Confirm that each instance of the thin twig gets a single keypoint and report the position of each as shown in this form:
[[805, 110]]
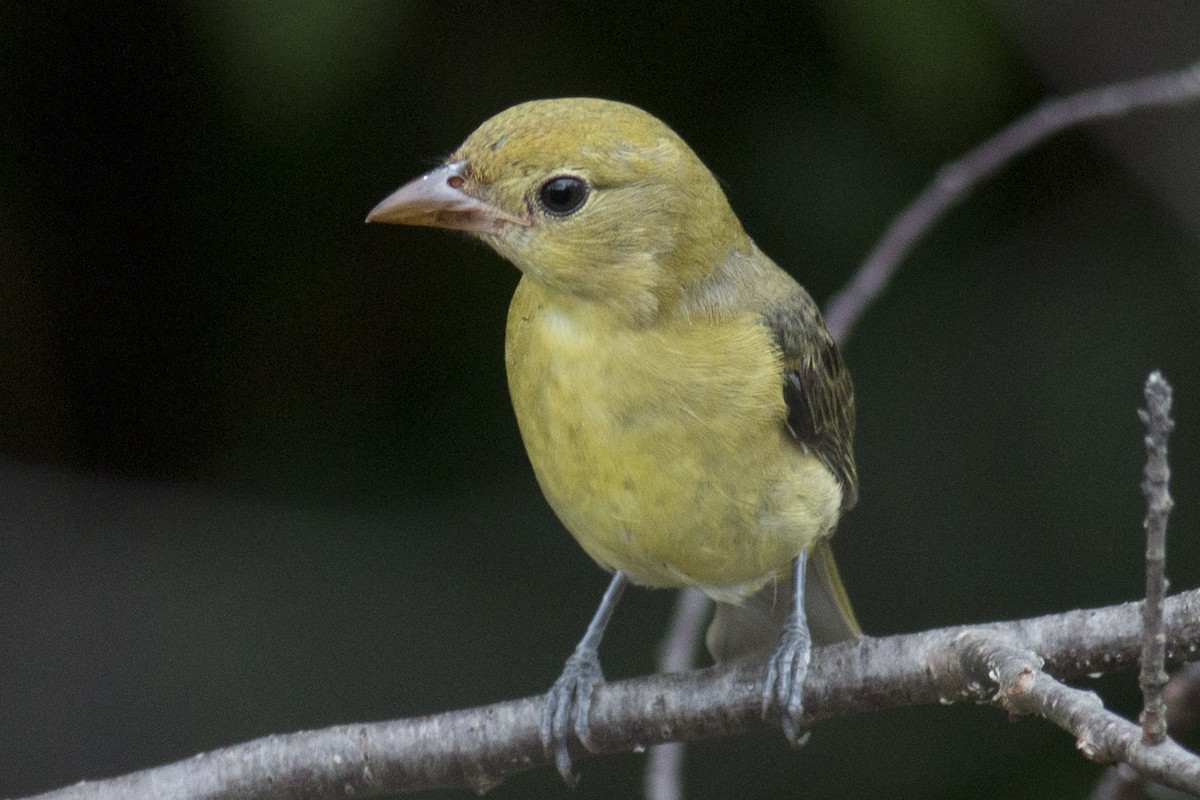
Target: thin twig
[[478, 748], [677, 652], [1156, 488], [1182, 696], [955, 180], [1099, 734], [664, 765]]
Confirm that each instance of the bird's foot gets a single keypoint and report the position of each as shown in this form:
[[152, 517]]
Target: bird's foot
[[785, 679], [568, 704]]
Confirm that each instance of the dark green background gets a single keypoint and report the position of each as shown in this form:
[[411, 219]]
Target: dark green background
[[258, 471]]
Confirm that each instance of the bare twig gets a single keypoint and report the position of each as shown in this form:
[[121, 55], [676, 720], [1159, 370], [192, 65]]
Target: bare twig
[[1182, 696], [1100, 735], [1166, 704], [664, 766], [1157, 419], [955, 181], [478, 748], [677, 652]]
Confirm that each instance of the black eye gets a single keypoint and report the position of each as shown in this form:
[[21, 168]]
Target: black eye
[[563, 195]]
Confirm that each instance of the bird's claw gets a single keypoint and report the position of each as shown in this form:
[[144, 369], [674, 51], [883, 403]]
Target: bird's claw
[[568, 704], [786, 672]]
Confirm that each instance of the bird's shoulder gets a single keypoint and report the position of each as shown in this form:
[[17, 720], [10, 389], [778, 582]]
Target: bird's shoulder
[[816, 384]]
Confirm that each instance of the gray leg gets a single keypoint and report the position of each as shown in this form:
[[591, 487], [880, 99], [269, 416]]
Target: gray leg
[[570, 698], [789, 665]]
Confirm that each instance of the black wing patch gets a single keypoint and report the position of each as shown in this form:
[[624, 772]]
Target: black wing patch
[[817, 389]]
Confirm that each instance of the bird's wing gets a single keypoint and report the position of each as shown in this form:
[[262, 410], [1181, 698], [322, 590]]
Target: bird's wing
[[816, 388]]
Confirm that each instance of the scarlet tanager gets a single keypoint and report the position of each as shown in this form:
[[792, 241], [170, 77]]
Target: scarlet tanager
[[687, 414]]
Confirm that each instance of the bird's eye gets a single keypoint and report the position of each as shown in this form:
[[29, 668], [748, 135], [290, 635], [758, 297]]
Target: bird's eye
[[563, 195]]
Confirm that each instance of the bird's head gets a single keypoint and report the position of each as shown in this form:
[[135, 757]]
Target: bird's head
[[589, 198]]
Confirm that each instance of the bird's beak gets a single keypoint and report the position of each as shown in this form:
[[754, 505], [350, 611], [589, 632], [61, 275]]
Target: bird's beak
[[438, 199]]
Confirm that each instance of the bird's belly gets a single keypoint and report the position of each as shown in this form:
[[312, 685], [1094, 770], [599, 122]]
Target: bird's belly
[[669, 480]]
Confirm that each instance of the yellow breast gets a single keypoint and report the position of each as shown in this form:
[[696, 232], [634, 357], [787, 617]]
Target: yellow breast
[[663, 449]]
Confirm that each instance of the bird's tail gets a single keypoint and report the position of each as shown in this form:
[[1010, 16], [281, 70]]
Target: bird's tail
[[754, 626]]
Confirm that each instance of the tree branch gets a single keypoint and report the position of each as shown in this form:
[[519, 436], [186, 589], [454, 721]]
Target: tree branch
[[664, 764], [1182, 695], [1157, 418], [478, 748], [956, 180], [1166, 705], [1100, 735]]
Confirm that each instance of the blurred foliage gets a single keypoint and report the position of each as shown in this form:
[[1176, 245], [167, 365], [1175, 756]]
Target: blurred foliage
[[259, 468]]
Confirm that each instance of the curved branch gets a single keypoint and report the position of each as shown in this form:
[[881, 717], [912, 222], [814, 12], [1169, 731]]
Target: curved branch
[[1182, 695], [956, 180], [1099, 734], [478, 748]]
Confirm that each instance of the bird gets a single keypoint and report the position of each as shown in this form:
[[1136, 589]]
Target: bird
[[687, 414]]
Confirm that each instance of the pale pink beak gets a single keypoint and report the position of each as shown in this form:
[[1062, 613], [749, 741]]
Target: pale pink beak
[[437, 199]]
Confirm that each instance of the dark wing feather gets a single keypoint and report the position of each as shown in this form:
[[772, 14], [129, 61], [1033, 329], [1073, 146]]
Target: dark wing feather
[[816, 388]]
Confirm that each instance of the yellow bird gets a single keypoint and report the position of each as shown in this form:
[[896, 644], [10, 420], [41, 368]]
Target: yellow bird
[[687, 414]]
